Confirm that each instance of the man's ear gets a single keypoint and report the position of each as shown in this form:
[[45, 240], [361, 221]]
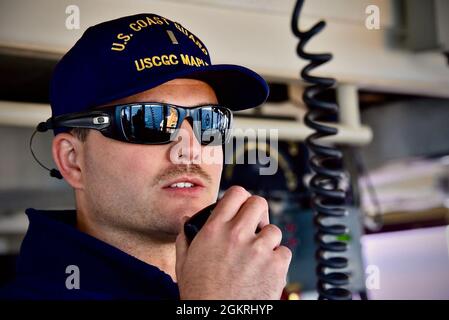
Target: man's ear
[[67, 154]]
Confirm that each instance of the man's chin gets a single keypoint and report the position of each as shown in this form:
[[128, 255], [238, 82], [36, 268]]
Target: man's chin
[[171, 232]]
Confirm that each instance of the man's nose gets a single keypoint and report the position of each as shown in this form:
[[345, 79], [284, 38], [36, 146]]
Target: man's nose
[[186, 147]]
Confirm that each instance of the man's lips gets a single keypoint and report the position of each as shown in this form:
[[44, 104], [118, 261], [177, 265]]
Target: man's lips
[[194, 191], [197, 182]]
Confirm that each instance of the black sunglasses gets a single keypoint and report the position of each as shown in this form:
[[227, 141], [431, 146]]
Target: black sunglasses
[[151, 122]]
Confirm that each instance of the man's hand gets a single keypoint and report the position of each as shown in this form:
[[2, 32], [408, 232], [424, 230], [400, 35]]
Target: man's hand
[[227, 259]]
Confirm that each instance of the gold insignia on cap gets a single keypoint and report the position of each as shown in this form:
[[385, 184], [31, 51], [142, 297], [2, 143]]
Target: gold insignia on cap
[[172, 37]]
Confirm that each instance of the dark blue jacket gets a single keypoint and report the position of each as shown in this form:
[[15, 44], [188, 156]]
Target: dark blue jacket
[[52, 243]]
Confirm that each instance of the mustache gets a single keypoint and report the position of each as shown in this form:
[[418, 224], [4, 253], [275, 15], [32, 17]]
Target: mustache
[[179, 170]]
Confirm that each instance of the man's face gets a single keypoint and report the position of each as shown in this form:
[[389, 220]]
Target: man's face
[[125, 185]]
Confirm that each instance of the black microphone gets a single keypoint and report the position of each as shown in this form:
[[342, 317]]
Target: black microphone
[[194, 224], [43, 127], [197, 221]]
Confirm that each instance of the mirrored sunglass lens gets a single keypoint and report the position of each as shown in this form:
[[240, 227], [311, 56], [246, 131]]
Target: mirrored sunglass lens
[[149, 123], [215, 123]]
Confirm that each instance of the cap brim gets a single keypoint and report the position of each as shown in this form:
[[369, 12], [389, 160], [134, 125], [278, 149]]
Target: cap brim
[[236, 87]]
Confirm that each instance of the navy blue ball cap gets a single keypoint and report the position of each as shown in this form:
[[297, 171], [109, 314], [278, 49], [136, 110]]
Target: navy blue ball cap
[[125, 56]]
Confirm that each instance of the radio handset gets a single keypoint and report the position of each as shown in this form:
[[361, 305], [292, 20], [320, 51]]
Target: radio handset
[[197, 221]]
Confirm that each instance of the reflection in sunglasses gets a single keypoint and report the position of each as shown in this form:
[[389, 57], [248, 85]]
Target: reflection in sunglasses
[[172, 120]]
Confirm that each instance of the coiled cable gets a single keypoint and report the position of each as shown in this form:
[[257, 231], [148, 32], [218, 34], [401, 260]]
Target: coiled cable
[[328, 198]]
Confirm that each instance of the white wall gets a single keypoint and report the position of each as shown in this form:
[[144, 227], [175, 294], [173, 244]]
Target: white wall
[[252, 33]]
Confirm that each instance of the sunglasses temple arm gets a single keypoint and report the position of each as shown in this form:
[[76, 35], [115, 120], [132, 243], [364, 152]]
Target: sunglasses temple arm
[[90, 122]]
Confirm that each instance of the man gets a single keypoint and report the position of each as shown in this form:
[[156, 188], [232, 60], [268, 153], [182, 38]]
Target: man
[[136, 108]]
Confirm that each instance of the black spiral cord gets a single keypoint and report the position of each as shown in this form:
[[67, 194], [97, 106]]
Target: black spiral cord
[[328, 199]]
